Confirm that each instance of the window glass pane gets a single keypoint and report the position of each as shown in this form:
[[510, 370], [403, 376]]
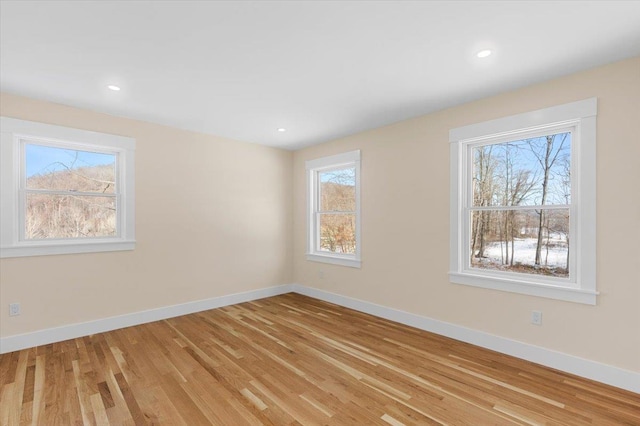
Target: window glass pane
[[527, 172], [337, 232], [69, 170], [524, 241], [338, 190], [69, 216]]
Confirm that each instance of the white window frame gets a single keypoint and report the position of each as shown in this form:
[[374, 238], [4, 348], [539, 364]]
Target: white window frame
[[580, 118], [14, 135], [347, 159]]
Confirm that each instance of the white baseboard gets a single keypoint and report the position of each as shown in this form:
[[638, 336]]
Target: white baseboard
[[72, 331], [593, 370], [604, 373]]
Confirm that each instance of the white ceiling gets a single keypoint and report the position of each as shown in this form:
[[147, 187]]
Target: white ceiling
[[320, 69]]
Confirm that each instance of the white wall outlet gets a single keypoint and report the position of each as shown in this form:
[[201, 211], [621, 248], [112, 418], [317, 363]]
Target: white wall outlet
[[321, 274], [14, 309], [536, 317]]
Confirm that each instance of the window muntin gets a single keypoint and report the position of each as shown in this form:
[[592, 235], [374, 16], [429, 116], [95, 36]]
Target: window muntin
[[519, 208], [68, 193], [568, 211], [64, 190], [333, 209]]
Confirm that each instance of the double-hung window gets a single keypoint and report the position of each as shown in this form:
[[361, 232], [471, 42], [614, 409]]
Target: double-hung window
[[523, 203], [333, 221], [64, 190]]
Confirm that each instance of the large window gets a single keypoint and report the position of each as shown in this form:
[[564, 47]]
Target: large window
[[65, 190], [334, 209], [523, 203]]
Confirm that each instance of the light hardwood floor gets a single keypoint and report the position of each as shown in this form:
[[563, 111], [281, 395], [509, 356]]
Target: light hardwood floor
[[291, 360]]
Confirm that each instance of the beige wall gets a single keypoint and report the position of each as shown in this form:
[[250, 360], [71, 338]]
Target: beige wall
[[213, 218], [405, 223]]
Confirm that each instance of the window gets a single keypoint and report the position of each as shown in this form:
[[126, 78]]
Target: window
[[333, 222], [64, 190], [523, 203]]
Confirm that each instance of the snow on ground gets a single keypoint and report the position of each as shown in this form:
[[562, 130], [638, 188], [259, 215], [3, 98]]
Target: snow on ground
[[525, 252]]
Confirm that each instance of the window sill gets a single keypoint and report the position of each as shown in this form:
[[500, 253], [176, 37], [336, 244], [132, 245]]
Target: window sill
[[587, 297], [44, 249], [336, 260]]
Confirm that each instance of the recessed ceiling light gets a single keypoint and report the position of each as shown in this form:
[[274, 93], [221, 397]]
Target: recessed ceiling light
[[483, 53], [282, 129], [113, 87]]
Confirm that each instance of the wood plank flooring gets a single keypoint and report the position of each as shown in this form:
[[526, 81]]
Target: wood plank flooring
[[292, 360]]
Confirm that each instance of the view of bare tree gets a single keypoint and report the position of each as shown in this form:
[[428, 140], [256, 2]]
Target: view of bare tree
[[509, 181], [338, 206], [547, 160]]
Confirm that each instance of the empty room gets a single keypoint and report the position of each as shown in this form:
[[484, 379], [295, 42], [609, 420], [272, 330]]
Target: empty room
[[319, 213]]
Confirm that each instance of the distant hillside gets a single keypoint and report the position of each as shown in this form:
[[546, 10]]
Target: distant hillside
[[84, 179], [336, 196], [72, 216]]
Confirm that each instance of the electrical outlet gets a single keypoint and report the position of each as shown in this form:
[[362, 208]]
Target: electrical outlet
[[14, 309], [536, 317], [321, 274]]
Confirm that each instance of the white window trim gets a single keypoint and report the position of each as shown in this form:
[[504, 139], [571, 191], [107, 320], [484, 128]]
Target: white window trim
[[582, 115], [14, 133], [347, 159]]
